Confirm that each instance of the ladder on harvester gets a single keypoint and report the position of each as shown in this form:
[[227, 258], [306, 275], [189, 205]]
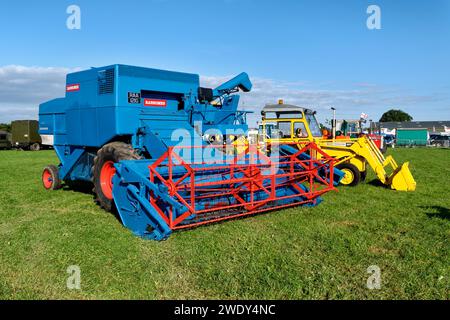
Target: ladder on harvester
[[399, 179]]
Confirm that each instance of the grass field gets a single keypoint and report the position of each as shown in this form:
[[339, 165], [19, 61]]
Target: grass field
[[300, 253]]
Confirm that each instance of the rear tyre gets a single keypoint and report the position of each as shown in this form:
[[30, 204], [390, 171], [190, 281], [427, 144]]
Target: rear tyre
[[363, 175], [35, 147], [103, 170], [352, 174], [50, 178]]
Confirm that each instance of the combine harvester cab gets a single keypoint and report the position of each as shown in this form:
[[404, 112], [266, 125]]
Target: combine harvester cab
[[283, 123], [160, 150]]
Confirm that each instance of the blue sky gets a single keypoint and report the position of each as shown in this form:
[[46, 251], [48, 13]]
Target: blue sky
[[317, 53]]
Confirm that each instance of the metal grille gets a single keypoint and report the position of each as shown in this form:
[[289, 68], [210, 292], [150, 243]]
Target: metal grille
[[106, 81]]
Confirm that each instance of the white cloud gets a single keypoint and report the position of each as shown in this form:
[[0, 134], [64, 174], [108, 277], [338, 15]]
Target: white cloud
[[350, 102], [23, 88]]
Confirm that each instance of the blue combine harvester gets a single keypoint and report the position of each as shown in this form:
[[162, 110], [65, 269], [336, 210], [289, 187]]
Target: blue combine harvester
[[163, 152]]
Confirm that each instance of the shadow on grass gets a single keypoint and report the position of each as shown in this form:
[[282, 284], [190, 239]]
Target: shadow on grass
[[439, 212], [376, 183], [87, 188], [78, 186]]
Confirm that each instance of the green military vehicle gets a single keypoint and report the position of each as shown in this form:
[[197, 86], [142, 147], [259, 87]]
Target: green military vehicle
[[5, 140], [25, 135]]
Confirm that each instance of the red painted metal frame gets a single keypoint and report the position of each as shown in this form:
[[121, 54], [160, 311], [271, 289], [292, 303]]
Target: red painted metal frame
[[244, 172]]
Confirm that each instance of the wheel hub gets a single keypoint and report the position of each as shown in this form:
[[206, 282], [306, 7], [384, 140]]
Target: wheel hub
[[348, 177], [107, 173], [47, 179]]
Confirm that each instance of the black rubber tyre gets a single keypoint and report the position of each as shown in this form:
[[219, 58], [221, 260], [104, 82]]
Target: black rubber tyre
[[110, 153], [363, 175], [353, 176], [50, 178], [35, 147]]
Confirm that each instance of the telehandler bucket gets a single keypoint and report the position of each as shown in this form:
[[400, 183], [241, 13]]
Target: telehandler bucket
[[402, 179]]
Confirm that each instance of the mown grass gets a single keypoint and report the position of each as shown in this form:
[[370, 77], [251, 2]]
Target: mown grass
[[300, 253]]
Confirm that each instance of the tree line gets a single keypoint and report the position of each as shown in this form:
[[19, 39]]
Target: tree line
[[5, 127]]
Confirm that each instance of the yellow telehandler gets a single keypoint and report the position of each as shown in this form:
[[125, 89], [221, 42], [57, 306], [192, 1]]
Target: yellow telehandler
[[284, 123]]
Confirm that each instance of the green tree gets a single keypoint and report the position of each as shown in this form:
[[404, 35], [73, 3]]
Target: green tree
[[5, 127], [395, 115]]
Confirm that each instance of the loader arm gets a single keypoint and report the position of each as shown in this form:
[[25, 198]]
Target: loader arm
[[364, 149]]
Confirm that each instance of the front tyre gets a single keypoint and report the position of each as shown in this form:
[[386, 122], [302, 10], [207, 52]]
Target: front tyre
[[50, 178], [103, 170], [35, 147]]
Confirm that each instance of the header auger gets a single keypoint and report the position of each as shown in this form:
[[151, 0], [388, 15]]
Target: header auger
[[156, 147]]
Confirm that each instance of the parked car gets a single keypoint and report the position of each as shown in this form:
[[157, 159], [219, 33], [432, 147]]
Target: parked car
[[439, 140], [389, 139]]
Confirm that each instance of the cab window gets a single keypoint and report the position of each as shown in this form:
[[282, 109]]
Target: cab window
[[313, 125], [283, 130], [300, 130], [297, 115]]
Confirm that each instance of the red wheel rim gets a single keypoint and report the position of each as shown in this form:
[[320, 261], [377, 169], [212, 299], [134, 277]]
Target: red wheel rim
[[106, 174], [47, 179]]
